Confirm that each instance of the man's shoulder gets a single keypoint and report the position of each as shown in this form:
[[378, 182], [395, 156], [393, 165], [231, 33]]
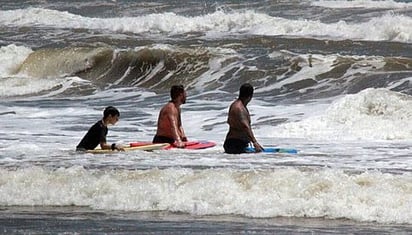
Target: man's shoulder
[[237, 104], [169, 107]]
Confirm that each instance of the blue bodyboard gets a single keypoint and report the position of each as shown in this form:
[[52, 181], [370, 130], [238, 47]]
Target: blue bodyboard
[[272, 150]]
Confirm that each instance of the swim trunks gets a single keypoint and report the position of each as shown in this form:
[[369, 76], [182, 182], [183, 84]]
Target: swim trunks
[[235, 146], [163, 139]]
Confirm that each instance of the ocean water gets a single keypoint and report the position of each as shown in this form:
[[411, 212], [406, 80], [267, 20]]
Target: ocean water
[[332, 79]]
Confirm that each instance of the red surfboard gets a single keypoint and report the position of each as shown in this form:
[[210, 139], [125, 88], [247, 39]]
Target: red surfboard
[[201, 144]]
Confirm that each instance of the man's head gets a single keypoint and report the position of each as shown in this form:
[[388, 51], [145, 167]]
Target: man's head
[[112, 114], [178, 91], [246, 91]]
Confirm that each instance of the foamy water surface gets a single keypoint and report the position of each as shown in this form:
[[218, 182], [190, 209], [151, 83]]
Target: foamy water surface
[[335, 85]]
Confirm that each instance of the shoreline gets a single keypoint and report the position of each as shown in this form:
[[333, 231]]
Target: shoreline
[[40, 220]]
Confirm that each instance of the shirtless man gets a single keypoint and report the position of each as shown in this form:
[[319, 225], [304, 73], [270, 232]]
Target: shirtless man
[[98, 132], [169, 123], [240, 130]]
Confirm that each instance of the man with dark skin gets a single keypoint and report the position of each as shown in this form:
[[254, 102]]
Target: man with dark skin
[[169, 123], [240, 130]]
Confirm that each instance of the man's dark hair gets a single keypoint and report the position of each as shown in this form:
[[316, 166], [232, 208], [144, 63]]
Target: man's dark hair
[[110, 110], [246, 91], [176, 90]]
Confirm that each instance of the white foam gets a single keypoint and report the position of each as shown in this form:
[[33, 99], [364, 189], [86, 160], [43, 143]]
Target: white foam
[[14, 84], [218, 23], [321, 64], [11, 58], [391, 4], [216, 68], [370, 196], [372, 114], [18, 86], [376, 29]]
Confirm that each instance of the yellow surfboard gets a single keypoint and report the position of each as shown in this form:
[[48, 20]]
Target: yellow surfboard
[[148, 147]]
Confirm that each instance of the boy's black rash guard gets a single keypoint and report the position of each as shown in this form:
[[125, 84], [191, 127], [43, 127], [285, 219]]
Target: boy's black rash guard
[[96, 134]]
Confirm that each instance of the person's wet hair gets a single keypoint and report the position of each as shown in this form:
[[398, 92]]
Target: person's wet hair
[[110, 110], [245, 91], [176, 90]]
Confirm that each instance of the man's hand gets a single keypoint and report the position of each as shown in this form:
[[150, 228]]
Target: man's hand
[[258, 147], [179, 144], [119, 147]]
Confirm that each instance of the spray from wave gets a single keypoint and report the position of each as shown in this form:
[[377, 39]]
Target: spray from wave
[[219, 24]]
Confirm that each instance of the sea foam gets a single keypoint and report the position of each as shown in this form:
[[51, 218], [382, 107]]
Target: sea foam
[[220, 23], [372, 114], [369, 196]]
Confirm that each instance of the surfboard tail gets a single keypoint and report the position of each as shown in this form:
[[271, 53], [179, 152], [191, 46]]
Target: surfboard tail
[[273, 150]]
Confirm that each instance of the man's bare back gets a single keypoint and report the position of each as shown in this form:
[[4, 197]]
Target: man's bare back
[[240, 131], [239, 121]]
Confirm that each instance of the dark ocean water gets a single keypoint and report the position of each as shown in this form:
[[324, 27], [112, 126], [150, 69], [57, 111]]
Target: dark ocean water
[[332, 79]]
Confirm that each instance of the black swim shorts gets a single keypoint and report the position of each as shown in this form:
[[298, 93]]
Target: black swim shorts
[[235, 146], [163, 139]]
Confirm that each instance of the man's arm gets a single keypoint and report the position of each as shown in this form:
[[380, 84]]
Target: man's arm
[[244, 118], [173, 119], [182, 134], [104, 145], [181, 130]]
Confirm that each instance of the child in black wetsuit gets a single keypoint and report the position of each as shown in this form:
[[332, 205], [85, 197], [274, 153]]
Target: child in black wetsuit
[[98, 132]]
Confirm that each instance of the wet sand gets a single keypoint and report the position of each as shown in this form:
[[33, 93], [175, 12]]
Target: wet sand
[[83, 220]]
